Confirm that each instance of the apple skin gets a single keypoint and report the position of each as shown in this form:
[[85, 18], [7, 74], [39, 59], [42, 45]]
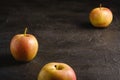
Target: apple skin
[[24, 47], [101, 17], [56, 71]]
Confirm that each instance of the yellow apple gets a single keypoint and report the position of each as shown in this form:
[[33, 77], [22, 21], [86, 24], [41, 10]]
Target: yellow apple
[[101, 17], [56, 71]]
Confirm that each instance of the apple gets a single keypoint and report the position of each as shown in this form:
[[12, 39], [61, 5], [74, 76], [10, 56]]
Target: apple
[[101, 17], [56, 71], [24, 47]]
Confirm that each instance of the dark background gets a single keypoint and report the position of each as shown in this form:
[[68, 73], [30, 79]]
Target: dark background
[[64, 34]]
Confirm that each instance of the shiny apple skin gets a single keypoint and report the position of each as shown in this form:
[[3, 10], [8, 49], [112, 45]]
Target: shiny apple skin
[[101, 17], [64, 72], [24, 47]]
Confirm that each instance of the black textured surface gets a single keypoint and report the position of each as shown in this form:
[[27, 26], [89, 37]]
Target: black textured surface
[[64, 34]]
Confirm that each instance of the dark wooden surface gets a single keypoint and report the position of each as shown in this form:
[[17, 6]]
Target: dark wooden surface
[[64, 34]]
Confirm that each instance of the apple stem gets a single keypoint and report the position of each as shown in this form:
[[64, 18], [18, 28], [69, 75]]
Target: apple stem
[[25, 31], [56, 66], [100, 5]]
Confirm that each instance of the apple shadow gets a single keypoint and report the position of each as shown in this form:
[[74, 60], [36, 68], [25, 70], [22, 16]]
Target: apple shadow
[[6, 60], [83, 25], [88, 25]]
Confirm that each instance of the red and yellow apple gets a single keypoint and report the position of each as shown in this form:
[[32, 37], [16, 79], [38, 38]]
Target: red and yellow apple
[[56, 71], [24, 47], [101, 17]]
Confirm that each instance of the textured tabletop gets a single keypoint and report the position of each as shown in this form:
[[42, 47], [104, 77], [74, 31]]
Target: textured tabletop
[[64, 34]]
